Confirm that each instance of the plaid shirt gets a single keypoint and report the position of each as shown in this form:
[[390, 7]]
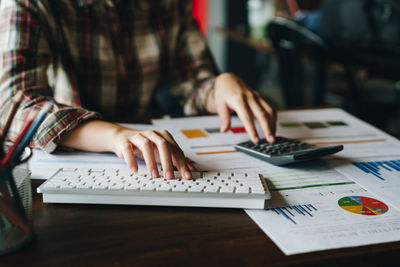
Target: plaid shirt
[[99, 57]]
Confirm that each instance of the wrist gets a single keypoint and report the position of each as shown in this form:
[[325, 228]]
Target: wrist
[[113, 133], [94, 136], [210, 100], [221, 81]]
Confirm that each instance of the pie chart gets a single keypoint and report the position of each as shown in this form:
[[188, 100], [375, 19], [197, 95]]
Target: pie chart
[[363, 205]]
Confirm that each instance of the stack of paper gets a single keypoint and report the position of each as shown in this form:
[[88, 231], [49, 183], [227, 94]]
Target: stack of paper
[[314, 207]]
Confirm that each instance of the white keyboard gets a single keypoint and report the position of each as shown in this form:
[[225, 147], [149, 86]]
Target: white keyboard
[[115, 186]]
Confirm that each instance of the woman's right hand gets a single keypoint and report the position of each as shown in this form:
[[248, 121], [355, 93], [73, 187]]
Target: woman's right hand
[[152, 146]]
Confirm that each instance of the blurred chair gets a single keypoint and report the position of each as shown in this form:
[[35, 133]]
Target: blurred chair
[[293, 43]]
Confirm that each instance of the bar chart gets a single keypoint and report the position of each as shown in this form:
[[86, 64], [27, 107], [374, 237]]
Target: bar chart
[[380, 169], [291, 212]]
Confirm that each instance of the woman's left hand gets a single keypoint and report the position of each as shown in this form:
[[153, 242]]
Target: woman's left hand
[[231, 93]]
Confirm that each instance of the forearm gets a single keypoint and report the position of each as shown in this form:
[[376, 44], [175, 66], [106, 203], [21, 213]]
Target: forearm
[[94, 136], [100, 136]]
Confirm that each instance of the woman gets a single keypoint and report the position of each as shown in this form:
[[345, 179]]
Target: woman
[[110, 57]]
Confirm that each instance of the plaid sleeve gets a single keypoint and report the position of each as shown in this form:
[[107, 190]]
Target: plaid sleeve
[[25, 55], [194, 65]]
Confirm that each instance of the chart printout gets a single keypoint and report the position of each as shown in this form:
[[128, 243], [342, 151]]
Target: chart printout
[[379, 175], [201, 140], [334, 126], [317, 208]]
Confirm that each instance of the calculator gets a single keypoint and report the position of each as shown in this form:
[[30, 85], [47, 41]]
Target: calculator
[[285, 150]]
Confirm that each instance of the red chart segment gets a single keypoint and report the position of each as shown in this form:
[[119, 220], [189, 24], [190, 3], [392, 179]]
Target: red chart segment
[[373, 203], [238, 130], [367, 211], [363, 205]]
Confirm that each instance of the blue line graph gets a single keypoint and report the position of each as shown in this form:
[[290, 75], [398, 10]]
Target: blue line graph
[[375, 167], [290, 212]]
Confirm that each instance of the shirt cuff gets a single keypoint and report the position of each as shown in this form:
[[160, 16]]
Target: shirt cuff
[[49, 133], [196, 105]]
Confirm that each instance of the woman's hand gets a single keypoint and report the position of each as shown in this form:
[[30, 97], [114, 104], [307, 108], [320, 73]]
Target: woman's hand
[[231, 93], [152, 146]]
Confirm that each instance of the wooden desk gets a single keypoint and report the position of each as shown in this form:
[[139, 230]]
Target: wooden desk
[[164, 236]]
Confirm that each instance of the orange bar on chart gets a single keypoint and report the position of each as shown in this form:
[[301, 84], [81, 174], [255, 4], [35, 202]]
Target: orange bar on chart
[[348, 142], [194, 133], [216, 152]]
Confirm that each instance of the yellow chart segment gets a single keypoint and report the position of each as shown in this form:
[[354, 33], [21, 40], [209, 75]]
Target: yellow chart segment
[[353, 209], [194, 133]]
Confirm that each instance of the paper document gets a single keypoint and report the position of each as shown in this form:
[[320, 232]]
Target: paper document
[[317, 208], [334, 126], [336, 220], [201, 140], [379, 175], [311, 176]]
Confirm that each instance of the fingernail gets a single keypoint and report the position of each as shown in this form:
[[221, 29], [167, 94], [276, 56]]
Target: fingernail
[[187, 175], [271, 139], [191, 166], [169, 175], [154, 173]]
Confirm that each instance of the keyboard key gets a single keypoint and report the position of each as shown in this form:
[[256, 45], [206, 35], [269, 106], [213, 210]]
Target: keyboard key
[[211, 189], [164, 188], [227, 189], [148, 187], [69, 169], [196, 188], [242, 190], [99, 186]]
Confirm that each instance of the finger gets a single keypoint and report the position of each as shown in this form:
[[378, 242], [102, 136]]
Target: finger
[[178, 157], [263, 117], [270, 110], [272, 115], [146, 147], [190, 165], [244, 113], [164, 152], [129, 156], [225, 117], [179, 160]]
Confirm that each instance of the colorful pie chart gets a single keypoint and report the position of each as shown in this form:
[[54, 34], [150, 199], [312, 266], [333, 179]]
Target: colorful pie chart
[[363, 205]]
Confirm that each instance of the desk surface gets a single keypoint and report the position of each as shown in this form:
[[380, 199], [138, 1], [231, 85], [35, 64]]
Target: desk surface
[[120, 235]]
